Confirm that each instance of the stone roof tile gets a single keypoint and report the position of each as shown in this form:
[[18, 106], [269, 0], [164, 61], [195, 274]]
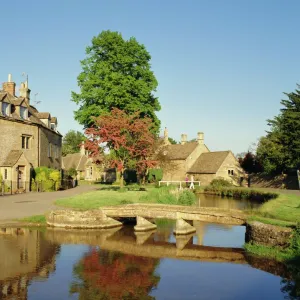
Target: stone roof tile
[[179, 152], [12, 158], [209, 163]]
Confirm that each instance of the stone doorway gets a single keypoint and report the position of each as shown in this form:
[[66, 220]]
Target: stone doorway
[[21, 177]]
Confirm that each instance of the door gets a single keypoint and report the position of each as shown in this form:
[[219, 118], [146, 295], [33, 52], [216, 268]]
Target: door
[[21, 177]]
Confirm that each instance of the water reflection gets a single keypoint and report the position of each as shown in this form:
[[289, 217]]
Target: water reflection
[[122, 264], [205, 200], [105, 274], [24, 256]]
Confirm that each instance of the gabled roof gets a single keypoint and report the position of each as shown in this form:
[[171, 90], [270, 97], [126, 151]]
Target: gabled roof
[[43, 115], [179, 152], [209, 163], [75, 160], [54, 120], [12, 158]]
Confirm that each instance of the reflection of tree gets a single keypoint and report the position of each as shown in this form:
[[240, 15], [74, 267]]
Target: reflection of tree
[[291, 286], [112, 275]]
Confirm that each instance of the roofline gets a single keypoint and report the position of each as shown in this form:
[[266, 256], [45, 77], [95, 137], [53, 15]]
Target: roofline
[[28, 123]]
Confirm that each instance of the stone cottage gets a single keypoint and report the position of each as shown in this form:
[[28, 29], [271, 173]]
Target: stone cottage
[[83, 164], [29, 138], [194, 158]]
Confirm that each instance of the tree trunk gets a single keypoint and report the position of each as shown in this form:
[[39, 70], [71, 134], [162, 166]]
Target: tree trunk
[[122, 178]]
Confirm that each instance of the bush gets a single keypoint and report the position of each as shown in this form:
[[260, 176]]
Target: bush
[[239, 193], [46, 179], [186, 198], [170, 195], [220, 182], [155, 175]]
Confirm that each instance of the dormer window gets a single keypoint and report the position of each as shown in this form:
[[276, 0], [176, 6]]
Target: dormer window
[[5, 109], [23, 112]]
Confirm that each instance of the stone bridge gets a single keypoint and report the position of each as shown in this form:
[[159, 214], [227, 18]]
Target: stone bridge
[[110, 216]]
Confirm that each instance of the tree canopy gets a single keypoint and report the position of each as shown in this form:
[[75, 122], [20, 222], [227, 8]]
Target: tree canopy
[[280, 149], [71, 142], [128, 138], [116, 73]]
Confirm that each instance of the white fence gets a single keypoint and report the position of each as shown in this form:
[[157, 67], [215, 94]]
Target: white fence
[[181, 183]]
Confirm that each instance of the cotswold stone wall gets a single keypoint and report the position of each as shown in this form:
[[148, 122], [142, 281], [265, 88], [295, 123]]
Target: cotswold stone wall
[[46, 137], [231, 163], [267, 235], [11, 139], [280, 181]]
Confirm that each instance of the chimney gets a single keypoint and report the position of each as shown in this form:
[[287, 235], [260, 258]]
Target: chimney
[[82, 149], [25, 91], [9, 86], [200, 138], [183, 139], [166, 136]]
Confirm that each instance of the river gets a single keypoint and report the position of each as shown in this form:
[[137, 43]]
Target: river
[[119, 264]]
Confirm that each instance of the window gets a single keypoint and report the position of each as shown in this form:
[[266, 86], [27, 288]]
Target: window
[[25, 142], [23, 112], [5, 173], [230, 172], [5, 109]]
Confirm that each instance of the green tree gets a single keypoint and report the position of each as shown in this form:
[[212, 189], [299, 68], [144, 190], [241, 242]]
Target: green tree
[[172, 141], [71, 142], [287, 127], [280, 149], [116, 73]]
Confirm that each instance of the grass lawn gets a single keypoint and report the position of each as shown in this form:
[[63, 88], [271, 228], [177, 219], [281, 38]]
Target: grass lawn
[[104, 197], [40, 219], [286, 208]]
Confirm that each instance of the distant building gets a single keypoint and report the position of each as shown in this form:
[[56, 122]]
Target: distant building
[[29, 138], [83, 164], [194, 158]]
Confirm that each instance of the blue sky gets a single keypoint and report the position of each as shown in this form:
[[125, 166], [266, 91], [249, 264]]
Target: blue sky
[[222, 66]]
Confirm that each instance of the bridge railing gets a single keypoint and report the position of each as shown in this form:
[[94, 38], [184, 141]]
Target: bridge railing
[[181, 183]]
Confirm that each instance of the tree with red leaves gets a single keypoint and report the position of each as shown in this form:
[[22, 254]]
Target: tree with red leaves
[[129, 139], [104, 274]]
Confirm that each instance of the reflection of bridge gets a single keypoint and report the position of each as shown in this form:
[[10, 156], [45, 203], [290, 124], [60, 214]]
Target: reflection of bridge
[[105, 217], [143, 244], [24, 255]]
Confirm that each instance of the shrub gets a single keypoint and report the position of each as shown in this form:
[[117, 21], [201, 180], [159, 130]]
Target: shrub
[[155, 175], [220, 182], [72, 172], [239, 193], [186, 198], [46, 179]]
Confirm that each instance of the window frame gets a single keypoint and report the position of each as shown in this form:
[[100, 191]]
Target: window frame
[[25, 142]]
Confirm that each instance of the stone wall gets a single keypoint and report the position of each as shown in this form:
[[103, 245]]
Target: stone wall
[[281, 181], [231, 163], [267, 235], [47, 136], [11, 139], [205, 179], [176, 171]]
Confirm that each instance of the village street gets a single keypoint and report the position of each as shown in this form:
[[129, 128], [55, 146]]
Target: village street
[[19, 206]]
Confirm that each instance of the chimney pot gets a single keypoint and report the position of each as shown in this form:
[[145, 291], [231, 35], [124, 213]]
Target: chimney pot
[[9, 86], [183, 138], [200, 138]]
